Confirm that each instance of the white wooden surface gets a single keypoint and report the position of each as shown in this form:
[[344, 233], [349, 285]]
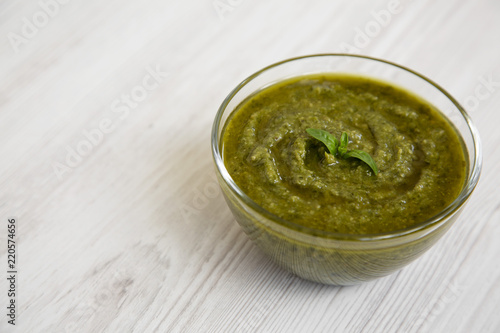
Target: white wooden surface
[[133, 236]]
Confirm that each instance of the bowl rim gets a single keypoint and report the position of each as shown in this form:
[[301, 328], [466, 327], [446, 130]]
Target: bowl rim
[[436, 220]]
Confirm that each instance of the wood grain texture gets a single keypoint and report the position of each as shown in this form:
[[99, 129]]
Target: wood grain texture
[[136, 237]]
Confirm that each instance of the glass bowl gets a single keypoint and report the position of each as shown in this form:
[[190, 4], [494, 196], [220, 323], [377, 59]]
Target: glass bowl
[[333, 258]]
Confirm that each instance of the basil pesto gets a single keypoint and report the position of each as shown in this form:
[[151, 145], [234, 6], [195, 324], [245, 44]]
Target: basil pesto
[[269, 154]]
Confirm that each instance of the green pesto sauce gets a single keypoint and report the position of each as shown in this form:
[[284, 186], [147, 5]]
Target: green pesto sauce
[[270, 156]]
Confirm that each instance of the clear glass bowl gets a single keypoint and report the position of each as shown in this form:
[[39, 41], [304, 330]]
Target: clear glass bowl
[[332, 258]]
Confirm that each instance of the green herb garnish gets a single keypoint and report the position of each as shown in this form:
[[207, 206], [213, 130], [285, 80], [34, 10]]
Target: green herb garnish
[[344, 140], [364, 156], [330, 142], [341, 149]]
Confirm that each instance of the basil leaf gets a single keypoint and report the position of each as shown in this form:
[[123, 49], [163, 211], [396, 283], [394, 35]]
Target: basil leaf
[[334, 147], [344, 140], [329, 140], [365, 157]]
